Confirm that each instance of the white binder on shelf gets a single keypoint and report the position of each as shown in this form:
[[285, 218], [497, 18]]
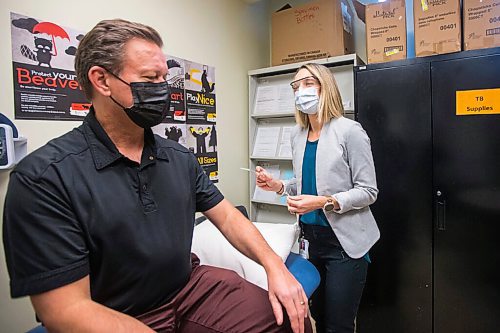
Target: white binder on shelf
[[266, 141], [274, 99], [285, 148]]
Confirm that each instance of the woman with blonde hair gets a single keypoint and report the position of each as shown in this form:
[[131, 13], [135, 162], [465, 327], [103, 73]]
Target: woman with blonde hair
[[333, 186]]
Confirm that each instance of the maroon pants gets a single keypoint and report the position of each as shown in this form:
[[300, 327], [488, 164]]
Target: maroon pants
[[217, 300]]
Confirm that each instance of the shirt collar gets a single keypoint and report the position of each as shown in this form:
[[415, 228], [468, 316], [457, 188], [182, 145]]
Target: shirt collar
[[104, 151]]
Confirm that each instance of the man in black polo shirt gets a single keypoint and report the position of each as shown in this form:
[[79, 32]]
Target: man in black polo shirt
[[98, 223]]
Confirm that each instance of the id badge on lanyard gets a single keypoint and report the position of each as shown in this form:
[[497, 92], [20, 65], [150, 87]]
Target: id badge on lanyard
[[304, 248]]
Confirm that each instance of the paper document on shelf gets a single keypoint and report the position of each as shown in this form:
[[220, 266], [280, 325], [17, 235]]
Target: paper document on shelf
[[286, 99], [269, 196], [277, 98], [265, 100], [266, 141], [285, 148]]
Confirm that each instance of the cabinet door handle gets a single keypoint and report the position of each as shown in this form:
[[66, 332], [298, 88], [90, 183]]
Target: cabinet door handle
[[441, 214]]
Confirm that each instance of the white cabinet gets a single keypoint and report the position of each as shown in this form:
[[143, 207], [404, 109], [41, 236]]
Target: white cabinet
[[271, 116]]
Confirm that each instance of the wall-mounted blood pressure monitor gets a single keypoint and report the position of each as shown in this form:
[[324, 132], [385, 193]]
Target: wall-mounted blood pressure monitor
[[12, 146]]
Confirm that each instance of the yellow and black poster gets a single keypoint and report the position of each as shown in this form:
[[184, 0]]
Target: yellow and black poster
[[192, 118]]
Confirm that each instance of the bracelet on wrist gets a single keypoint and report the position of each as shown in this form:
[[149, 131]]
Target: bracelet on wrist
[[280, 191]]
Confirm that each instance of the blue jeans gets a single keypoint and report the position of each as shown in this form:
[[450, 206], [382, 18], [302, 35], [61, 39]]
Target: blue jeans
[[335, 303]]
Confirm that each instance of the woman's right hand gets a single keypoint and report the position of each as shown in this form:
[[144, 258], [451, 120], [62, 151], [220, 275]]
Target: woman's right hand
[[266, 181]]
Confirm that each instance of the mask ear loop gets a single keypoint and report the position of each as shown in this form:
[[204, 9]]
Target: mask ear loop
[[119, 78], [116, 102]]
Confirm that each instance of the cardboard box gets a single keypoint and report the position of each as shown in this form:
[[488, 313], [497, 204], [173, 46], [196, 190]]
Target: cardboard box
[[385, 31], [481, 24], [437, 27], [319, 29]]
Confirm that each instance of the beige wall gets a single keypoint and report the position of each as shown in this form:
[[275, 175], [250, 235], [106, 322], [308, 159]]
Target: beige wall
[[228, 34]]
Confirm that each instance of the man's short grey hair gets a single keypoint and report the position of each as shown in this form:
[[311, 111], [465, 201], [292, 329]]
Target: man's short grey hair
[[104, 46]]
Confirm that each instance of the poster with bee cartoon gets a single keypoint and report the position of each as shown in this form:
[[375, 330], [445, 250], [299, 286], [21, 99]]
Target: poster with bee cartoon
[[45, 85]]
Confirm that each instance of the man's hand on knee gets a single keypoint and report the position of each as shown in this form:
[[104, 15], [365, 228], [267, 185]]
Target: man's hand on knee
[[284, 290]]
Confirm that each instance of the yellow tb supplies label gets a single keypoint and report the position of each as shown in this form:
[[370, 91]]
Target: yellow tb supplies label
[[478, 102]]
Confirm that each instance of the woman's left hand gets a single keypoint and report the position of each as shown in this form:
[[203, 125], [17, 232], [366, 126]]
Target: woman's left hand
[[305, 203]]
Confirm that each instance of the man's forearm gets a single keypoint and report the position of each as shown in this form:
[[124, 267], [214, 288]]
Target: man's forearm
[[248, 240], [245, 237], [88, 316]]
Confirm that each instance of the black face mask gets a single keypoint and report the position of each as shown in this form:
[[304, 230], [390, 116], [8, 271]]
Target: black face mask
[[151, 102]]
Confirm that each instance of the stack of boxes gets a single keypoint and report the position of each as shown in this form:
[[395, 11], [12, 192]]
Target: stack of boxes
[[319, 29], [437, 27], [385, 31], [481, 24], [324, 28]]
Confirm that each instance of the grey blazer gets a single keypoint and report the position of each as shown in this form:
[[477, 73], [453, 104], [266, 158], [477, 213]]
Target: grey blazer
[[344, 170]]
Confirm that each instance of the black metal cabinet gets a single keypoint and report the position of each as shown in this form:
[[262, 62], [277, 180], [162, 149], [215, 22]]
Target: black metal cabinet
[[435, 266], [466, 152], [399, 281]]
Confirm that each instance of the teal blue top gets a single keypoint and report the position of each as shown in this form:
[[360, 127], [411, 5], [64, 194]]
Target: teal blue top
[[316, 217]]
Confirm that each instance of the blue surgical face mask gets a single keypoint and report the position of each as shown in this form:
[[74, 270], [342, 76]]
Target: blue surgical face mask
[[307, 100]]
